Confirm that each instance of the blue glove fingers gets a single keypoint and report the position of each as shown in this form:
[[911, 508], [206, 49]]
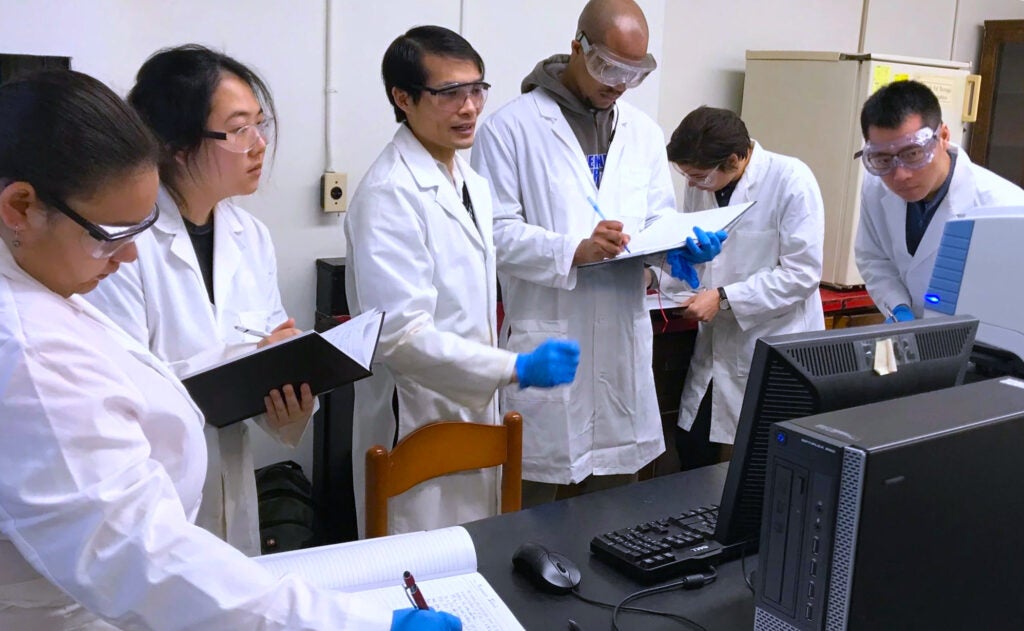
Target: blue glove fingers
[[413, 619], [903, 313], [553, 363], [722, 236]]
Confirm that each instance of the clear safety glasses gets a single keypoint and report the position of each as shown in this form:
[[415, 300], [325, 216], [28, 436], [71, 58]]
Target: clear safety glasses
[[451, 98], [103, 241], [914, 151], [245, 138], [703, 180], [612, 70]]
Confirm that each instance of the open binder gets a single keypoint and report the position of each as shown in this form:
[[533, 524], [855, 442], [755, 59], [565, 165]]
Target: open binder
[[233, 390], [671, 230]]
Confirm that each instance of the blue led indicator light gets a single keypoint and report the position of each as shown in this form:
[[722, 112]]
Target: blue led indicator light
[[780, 437], [932, 298]]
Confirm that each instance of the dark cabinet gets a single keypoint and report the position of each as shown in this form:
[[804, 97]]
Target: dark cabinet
[[997, 141]]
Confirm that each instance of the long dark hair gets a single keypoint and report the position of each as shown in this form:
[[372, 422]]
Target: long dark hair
[[68, 135]]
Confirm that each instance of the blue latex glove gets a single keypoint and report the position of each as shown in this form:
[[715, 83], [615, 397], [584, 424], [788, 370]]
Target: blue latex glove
[[680, 268], [707, 246], [901, 313], [413, 619], [553, 363]]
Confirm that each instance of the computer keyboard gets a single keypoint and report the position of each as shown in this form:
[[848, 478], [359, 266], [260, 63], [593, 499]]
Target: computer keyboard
[[663, 548]]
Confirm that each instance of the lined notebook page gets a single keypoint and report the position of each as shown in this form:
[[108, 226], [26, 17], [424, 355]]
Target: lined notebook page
[[374, 563], [468, 596]]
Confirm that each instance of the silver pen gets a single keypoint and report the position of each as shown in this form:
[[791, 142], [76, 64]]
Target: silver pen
[[239, 327]]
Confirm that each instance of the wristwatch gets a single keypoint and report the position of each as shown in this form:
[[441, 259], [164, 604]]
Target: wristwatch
[[723, 300]]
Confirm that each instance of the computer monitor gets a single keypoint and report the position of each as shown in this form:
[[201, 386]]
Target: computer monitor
[[798, 375]]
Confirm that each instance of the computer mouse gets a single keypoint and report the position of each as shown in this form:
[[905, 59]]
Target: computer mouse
[[548, 570]]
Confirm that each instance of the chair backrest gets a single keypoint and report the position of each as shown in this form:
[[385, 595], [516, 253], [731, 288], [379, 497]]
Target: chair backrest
[[465, 446]]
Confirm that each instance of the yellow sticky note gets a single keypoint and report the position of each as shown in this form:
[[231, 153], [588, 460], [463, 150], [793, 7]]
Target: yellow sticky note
[[901, 77], [880, 76]]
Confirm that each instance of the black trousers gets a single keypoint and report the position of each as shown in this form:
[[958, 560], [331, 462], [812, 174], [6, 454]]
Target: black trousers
[[694, 447]]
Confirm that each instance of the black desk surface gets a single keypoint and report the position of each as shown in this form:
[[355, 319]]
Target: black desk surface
[[567, 527]]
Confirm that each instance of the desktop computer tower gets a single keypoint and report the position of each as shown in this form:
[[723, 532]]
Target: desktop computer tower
[[902, 514]]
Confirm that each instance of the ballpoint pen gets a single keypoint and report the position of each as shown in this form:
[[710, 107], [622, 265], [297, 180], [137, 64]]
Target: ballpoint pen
[[597, 209], [239, 327], [414, 591]]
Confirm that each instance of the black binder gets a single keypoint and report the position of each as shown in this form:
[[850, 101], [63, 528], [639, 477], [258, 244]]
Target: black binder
[[233, 391]]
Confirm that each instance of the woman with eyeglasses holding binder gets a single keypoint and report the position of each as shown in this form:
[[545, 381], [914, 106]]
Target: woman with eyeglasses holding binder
[[103, 456], [205, 284]]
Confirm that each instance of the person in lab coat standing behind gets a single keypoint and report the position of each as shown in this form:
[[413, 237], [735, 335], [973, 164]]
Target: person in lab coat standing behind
[[562, 157], [765, 282], [418, 236], [208, 266], [916, 180]]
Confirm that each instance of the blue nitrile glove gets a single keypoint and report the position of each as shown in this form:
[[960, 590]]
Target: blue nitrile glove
[[901, 313], [680, 268], [413, 619], [707, 246], [553, 363]]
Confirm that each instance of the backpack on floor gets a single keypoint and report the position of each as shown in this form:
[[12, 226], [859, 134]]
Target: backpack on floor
[[285, 500]]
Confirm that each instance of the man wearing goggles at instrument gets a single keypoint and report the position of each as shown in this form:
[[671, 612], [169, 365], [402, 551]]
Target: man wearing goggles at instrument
[[916, 180], [575, 173]]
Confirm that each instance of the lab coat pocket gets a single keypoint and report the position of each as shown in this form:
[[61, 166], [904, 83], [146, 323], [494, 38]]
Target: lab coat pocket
[[524, 337], [750, 252], [631, 206]]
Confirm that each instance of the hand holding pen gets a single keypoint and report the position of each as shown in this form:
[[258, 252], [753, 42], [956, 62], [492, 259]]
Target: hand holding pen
[[414, 593], [597, 209], [281, 332], [606, 242]]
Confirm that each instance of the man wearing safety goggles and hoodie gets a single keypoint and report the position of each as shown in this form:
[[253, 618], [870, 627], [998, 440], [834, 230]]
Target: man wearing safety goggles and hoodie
[[917, 179], [574, 174]]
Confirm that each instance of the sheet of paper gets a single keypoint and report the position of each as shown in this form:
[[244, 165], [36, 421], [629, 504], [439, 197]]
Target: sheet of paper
[[357, 338], [374, 563], [234, 356], [672, 229], [885, 357], [468, 596]]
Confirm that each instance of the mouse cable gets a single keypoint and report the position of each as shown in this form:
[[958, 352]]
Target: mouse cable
[[654, 612], [690, 581], [743, 569]]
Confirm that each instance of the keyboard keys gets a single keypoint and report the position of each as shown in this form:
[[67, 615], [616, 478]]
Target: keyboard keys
[[661, 548]]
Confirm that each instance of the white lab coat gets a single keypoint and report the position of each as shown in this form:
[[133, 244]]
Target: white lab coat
[[161, 301], [607, 421], [770, 268], [414, 253], [891, 275], [101, 469]]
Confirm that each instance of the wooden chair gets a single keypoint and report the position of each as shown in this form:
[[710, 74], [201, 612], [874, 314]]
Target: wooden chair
[[464, 446]]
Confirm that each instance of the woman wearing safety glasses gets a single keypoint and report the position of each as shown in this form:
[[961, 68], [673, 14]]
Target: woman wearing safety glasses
[[765, 283], [103, 457], [208, 269], [917, 179]]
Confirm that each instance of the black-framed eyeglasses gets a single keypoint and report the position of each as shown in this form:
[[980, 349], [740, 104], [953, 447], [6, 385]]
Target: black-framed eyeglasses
[[104, 240], [450, 98], [245, 138]]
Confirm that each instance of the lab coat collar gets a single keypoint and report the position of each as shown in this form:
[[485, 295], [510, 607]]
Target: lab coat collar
[[10, 268], [227, 246], [423, 168], [549, 110]]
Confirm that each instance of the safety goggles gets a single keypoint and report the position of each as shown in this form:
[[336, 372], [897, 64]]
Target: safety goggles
[[245, 138], [704, 180], [451, 98], [612, 70], [913, 151], [103, 241]]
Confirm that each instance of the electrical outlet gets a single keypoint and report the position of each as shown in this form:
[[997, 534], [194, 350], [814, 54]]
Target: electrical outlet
[[334, 192]]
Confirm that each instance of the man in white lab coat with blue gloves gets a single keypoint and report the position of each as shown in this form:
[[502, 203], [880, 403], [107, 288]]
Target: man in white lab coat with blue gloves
[[418, 234], [916, 180], [554, 156]]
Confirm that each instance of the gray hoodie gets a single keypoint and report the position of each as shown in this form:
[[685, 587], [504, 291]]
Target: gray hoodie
[[593, 128]]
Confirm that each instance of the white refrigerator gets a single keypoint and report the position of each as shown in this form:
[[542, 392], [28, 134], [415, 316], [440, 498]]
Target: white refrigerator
[[807, 104]]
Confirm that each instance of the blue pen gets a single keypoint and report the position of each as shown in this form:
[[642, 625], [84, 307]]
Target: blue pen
[[600, 214]]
